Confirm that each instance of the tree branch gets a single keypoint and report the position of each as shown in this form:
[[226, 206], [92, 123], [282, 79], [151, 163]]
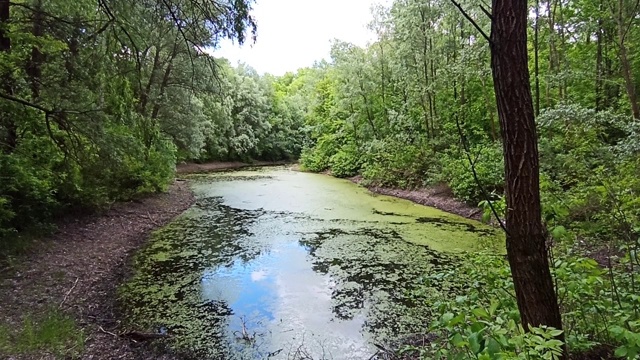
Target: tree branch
[[464, 13], [472, 164], [26, 103]]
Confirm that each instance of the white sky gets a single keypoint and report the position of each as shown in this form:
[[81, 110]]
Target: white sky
[[292, 34]]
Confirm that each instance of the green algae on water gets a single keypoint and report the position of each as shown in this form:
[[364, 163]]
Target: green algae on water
[[275, 260]]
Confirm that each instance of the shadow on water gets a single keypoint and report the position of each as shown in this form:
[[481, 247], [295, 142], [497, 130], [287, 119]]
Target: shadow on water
[[232, 283]]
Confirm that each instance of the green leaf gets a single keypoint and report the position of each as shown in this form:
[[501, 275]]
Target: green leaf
[[481, 313], [493, 347], [475, 342], [458, 341], [555, 333], [621, 351]]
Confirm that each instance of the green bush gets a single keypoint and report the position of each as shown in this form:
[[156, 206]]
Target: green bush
[[29, 188], [346, 162], [590, 173], [398, 162], [481, 320], [489, 166], [318, 157], [118, 166]]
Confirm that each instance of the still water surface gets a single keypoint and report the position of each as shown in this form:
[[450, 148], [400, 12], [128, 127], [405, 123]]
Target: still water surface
[[278, 264]]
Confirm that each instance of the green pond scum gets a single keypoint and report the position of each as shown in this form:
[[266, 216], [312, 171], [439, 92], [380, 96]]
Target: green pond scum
[[271, 261]]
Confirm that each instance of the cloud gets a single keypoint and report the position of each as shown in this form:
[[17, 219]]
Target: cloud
[[294, 33]]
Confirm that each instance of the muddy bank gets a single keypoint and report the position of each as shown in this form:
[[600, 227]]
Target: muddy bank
[[192, 168], [78, 269], [439, 197]]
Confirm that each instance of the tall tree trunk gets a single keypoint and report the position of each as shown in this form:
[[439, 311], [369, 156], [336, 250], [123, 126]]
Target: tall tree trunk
[[163, 89], [145, 93], [562, 54], [10, 142], [490, 108], [434, 96], [383, 84], [427, 105], [553, 52], [536, 54], [34, 65], [526, 240], [5, 41], [165, 81], [599, 88], [630, 87], [628, 82]]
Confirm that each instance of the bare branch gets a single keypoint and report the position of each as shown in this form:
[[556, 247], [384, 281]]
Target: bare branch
[[486, 12], [464, 13]]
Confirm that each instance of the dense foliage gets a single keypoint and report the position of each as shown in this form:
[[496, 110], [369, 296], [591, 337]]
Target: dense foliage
[[416, 108], [99, 101]]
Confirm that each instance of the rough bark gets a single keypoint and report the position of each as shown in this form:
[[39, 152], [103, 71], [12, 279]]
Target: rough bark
[[526, 235]]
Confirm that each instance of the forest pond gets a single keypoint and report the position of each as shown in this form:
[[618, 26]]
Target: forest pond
[[274, 264]]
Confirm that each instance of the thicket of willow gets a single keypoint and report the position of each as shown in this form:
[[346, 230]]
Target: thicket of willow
[[100, 99]]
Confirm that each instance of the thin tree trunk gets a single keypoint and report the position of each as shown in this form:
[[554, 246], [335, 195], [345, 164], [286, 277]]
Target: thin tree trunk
[[562, 55], [552, 51], [34, 65], [526, 235], [490, 108], [163, 88], [10, 142], [383, 84], [427, 106], [536, 54], [144, 96], [165, 81], [434, 96], [628, 82], [625, 63], [599, 67]]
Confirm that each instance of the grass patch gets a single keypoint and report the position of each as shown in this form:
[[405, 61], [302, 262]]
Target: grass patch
[[53, 333]]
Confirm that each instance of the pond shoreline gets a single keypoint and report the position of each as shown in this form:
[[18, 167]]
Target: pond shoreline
[[78, 269], [214, 166], [76, 272], [439, 197]]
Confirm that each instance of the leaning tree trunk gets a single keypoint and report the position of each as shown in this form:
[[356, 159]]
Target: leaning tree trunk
[[526, 240]]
